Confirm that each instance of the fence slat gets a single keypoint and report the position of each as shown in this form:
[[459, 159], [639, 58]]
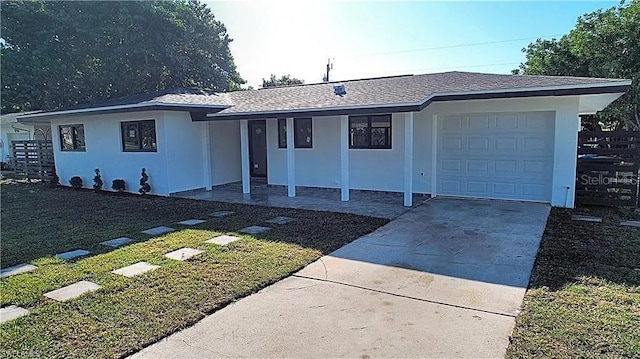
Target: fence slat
[[612, 178], [33, 158]]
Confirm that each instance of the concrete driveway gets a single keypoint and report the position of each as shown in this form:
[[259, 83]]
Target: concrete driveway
[[445, 279]]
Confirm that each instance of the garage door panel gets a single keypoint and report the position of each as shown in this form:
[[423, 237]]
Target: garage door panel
[[504, 189], [477, 187], [505, 167], [506, 156], [507, 122], [479, 123]]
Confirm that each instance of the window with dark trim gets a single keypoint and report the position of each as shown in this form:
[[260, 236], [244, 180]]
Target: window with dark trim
[[302, 136], [370, 131], [72, 138], [139, 136]]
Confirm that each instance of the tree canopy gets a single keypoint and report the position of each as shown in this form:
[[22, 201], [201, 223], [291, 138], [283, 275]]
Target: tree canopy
[[60, 53], [282, 81], [604, 43]]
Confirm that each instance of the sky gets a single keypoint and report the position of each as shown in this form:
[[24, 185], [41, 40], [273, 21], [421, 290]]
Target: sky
[[373, 39]]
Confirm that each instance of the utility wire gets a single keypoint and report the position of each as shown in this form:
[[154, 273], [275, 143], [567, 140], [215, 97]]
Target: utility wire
[[404, 72], [451, 46]]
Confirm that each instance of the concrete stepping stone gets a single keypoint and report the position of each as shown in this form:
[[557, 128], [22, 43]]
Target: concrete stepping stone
[[221, 213], [158, 230], [191, 222], [630, 223], [222, 240], [579, 217], [135, 269], [280, 220], [17, 269], [254, 229], [72, 254], [12, 312], [115, 243], [72, 291], [183, 254]]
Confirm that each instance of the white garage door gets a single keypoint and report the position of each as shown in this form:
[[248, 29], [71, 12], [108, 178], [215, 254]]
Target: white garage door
[[501, 155]]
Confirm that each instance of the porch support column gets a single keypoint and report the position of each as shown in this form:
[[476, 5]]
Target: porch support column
[[434, 157], [408, 159], [244, 154], [344, 158], [206, 155], [291, 163]]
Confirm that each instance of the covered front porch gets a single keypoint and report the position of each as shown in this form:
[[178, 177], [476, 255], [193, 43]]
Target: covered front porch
[[262, 159], [368, 203]]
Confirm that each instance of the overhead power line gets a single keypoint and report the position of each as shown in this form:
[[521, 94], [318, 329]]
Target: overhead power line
[[412, 71], [453, 46]]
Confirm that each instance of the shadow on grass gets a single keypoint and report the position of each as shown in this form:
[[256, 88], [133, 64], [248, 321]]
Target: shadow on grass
[[573, 249]]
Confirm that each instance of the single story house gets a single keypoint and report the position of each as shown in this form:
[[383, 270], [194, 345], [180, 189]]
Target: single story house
[[462, 134]]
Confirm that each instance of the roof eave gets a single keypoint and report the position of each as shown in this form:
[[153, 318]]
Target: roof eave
[[150, 106]]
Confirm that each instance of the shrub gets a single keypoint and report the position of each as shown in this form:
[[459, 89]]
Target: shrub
[[119, 185], [54, 181], [97, 180], [76, 182], [145, 187]]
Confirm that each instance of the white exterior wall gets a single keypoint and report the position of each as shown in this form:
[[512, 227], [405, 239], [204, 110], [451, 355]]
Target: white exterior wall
[[184, 155], [226, 162], [181, 163], [379, 169], [315, 167], [566, 127], [176, 166]]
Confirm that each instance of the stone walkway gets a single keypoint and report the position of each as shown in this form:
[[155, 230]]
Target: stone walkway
[[80, 288]]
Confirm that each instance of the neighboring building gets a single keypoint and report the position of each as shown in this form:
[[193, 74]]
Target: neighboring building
[[12, 130], [454, 133]]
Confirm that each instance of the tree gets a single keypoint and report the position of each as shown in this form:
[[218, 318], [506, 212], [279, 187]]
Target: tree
[[56, 54], [602, 44], [285, 80]]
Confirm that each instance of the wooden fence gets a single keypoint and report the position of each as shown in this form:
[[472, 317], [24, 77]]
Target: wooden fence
[[608, 168], [32, 158]]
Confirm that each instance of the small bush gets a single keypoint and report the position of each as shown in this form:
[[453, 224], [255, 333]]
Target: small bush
[[54, 181], [145, 187], [76, 182], [119, 185], [97, 181]]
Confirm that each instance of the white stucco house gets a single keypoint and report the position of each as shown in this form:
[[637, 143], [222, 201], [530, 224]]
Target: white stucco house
[[446, 134]]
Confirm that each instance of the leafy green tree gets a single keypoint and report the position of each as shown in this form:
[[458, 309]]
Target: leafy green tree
[[604, 43], [56, 53], [282, 81]]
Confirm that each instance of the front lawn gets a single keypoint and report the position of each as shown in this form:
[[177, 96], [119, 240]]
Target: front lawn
[[583, 299], [130, 313]]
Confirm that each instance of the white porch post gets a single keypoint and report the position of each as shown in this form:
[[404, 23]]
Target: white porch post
[[244, 153], [344, 158], [206, 155], [408, 159], [291, 163], [434, 157]]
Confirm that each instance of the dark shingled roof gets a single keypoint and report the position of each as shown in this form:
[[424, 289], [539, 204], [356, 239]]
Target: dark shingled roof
[[400, 90], [174, 96], [398, 93]]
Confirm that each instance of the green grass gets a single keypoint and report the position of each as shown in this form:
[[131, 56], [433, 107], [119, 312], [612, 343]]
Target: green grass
[[583, 299], [128, 314]]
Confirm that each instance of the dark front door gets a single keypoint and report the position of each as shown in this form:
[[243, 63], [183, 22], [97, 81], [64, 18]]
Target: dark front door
[[258, 148]]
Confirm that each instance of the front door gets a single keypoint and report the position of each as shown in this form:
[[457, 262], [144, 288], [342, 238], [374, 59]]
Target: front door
[[258, 148]]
